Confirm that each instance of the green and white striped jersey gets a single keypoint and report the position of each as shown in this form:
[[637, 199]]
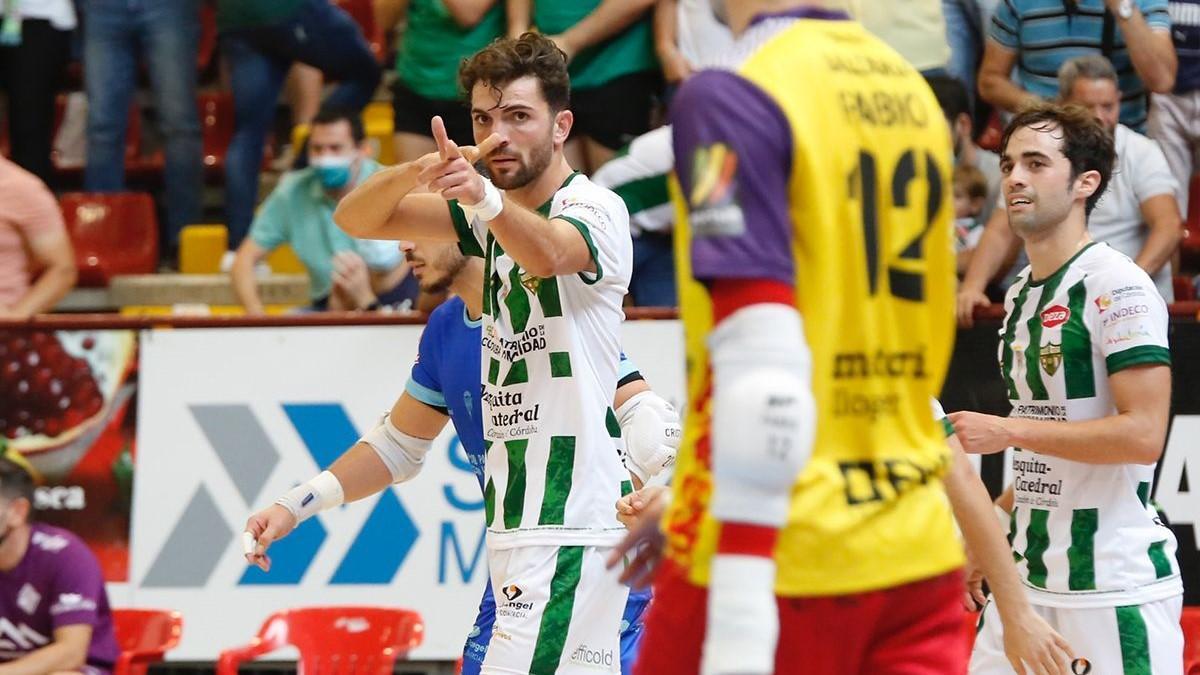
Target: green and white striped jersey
[[550, 351], [1084, 535], [638, 174]]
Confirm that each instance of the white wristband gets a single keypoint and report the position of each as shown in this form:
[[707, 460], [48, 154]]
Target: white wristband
[[308, 499], [489, 207]]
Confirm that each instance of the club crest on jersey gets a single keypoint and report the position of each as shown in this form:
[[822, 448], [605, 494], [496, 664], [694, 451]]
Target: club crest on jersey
[[28, 599], [1055, 315], [531, 282], [1051, 357]]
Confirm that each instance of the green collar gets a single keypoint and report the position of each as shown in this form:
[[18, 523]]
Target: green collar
[[544, 209]]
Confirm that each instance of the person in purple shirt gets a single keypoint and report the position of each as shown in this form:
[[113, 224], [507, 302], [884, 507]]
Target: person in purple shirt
[[54, 614]]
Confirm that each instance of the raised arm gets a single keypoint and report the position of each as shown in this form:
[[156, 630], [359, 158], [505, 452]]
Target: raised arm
[[520, 16], [1161, 215], [610, 18], [1150, 48], [996, 85]]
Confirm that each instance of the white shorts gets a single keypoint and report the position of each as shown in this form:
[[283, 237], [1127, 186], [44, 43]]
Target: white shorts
[[1133, 640], [558, 610]]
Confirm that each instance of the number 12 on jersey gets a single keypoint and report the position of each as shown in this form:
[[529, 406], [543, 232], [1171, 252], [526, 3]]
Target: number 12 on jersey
[[906, 280]]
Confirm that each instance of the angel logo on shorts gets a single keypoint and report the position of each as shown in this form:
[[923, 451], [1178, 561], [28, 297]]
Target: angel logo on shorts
[[511, 592], [1081, 667]]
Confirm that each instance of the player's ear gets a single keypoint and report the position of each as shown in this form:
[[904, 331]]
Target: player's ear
[[563, 121], [1086, 184]]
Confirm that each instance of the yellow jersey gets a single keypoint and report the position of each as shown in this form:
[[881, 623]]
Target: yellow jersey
[[822, 160]]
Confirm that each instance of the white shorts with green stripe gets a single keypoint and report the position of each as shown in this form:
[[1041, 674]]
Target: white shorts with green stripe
[[1132, 640], [558, 610]]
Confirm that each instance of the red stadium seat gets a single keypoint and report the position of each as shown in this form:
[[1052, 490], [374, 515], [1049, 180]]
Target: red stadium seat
[[112, 234], [1184, 288], [216, 126], [133, 135], [363, 13], [208, 37], [1191, 640], [331, 640], [144, 636]]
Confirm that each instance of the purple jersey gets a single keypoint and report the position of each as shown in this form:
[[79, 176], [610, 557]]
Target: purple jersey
[[58, 583]]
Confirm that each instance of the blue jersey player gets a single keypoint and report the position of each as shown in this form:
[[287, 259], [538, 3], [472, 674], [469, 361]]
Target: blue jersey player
[[445, 385]]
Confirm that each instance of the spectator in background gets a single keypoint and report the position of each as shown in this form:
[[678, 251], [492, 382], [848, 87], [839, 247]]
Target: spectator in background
[[687, 37], [952, 97], [1137, 215], [344, 273], [260, 40], [615, 76], [35, 40], [965, 28], [914, 28], [438, 35], [1175, 117], [1038, 36], [970, 198], [165, 34], [33, 243], [51, 589]]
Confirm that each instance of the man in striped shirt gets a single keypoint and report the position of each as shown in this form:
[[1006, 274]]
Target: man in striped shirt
[[1084, 356], [1038, 36]]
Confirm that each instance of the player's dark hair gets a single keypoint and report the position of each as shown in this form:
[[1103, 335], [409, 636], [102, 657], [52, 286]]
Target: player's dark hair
[[1085, 143], [508, 59], [15, 480], [951, 95], [333, 115]]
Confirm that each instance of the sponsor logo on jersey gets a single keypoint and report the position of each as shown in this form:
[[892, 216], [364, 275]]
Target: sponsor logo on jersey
[[17, 637], [512, 608], [1126, 336], [52, 543], [595, 658], [1103, 302], [28, 599], [714, 208], [1125, 313], [1051, 357], [530, 282], [1055, 315], [73, 602], [1081, 667], [60, 498], [512, 592]]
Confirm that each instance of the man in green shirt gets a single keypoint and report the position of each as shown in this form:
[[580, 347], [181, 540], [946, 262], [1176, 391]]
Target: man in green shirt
[[615, 77], [344, 272], [260, 39]]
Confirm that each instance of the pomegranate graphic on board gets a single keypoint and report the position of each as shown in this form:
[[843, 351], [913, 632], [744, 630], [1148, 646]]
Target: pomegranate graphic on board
[[57, 391]]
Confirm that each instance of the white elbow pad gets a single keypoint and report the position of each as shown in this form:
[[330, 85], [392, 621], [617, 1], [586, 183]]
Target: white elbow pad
[[764, 415], [651, 434], [404, 455]]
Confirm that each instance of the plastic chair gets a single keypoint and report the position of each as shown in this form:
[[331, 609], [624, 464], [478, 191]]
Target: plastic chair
[[1184, 288], [1191, 640], [216, 126], [144, 636], [360, 640], [112, 233]]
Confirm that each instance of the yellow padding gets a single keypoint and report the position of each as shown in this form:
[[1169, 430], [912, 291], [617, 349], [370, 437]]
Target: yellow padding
[[283, 260], [201, 248]]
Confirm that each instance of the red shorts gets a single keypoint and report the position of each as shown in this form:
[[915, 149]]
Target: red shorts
[[914, 629]]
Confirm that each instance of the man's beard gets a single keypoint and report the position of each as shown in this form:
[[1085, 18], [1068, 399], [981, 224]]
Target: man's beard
[[443, 281], [539, 160]]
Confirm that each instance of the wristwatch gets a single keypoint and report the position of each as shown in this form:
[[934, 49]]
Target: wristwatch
[[1125, 9]]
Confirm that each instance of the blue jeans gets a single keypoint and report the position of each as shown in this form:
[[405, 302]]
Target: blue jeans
[[164, 34], [320, 35], [653, 282]]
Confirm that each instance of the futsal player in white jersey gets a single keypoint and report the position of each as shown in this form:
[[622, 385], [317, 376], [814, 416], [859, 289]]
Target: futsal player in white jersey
[[557, 259], [1084, 355]]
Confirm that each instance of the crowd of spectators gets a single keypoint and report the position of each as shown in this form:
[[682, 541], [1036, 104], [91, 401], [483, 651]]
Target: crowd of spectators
[[1135, 63]]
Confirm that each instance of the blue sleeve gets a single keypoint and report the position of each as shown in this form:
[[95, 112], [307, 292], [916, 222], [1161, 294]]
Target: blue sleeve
[[1005, 27], [424, 384], [733, 157], [1156, 13]]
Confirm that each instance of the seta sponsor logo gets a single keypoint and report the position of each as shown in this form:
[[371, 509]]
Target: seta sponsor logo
[[598, 658], [1055, 315]]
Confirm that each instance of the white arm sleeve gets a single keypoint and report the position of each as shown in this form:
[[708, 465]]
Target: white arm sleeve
[[404, 455]]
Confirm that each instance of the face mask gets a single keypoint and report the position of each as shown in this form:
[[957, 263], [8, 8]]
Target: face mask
[[333, 171]]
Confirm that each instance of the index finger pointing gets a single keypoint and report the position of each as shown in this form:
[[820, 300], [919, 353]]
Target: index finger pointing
[[446, 147]]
